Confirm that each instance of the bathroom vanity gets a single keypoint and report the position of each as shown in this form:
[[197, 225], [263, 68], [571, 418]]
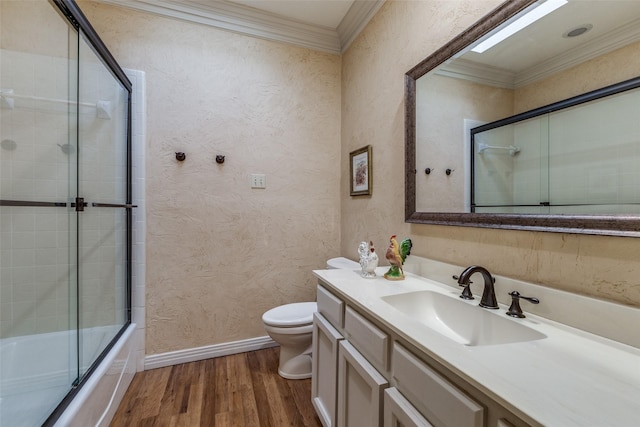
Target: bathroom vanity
[[413, 353]]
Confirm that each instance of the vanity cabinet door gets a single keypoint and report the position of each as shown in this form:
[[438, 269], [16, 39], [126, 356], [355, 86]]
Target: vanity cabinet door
[[324, 374], [360, 389], [399, 412]]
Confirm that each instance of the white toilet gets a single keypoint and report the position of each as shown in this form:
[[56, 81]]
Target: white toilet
[[291, 326]]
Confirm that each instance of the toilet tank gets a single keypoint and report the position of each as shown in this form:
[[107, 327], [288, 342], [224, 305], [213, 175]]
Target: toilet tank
[[342, 263]]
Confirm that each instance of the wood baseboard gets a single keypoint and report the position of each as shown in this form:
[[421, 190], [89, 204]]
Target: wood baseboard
[[207, 352]]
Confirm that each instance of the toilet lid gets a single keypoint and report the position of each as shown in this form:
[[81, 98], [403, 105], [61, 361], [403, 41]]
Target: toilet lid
[[296, 314], [342, 263]]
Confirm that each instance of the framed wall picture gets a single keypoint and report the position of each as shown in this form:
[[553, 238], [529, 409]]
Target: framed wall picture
[[360, 167]]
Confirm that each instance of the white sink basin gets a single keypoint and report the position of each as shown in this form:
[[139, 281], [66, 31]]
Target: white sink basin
[[460, 321]]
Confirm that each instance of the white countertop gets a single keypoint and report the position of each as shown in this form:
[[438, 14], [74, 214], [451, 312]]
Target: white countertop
[[569, 378]]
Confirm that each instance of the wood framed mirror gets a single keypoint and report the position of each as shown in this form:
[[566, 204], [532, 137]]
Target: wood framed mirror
[[600, 38]]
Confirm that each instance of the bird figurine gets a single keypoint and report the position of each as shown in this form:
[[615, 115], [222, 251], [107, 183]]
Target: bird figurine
[[368, 261], [396, 254], [363, 251], [369, 267]]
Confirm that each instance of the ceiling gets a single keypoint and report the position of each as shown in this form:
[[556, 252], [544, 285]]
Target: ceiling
[[325, 25]]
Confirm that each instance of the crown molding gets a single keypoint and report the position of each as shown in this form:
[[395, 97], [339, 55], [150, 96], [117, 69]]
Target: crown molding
[[253, 22], [358, 16], [478, 73]]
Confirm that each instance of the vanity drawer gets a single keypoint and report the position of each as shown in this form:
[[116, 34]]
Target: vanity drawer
[[331, 307], [441, 402], [367, 338]]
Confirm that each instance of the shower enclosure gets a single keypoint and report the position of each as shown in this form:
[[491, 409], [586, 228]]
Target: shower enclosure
[[65, 207]]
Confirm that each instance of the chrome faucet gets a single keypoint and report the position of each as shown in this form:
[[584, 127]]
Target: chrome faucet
[[488, 299]]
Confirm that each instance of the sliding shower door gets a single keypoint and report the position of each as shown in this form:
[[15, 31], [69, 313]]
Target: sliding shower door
[[38, 223], [65, 207], [102, 183]]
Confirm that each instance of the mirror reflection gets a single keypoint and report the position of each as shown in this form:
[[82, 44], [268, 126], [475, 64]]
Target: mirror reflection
[[581, 160]]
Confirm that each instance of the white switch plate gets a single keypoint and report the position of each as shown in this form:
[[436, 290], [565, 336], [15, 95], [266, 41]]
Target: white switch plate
[[258, 180]]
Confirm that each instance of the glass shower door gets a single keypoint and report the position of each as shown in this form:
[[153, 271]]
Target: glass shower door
[[65, 212], [102, 226], [38, 222]]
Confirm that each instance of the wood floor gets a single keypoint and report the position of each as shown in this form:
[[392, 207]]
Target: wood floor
[[239, 390]]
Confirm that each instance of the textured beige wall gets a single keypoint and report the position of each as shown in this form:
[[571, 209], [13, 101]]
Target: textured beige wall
[[400, 35], [219, 254]]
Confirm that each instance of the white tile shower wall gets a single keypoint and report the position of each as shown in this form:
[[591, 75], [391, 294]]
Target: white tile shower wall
[[139, 111], [35, 251]]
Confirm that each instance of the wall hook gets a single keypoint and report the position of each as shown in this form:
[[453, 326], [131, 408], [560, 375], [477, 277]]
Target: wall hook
[[448, 171], [219, 159], [428, 171], [9, 144], [180, 156]]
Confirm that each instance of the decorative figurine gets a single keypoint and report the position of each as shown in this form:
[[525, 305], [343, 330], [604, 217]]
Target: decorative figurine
[[368, 260], [396, 254], [363, 251]]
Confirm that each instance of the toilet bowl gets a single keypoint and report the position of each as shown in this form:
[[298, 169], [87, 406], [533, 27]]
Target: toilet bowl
[[291, 326]]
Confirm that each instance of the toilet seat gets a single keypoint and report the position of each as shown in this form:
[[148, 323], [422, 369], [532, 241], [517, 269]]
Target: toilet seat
[[290, 315]]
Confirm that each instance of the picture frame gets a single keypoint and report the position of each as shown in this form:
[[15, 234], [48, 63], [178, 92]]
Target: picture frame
[[360, 162]]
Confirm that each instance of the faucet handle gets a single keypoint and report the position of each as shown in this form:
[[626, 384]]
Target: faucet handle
[[514, 309]]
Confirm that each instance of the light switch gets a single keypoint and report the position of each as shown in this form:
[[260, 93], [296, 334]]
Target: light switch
[[258, 180]]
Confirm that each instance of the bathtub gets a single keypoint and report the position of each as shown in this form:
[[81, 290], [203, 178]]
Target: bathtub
[[43, 371]]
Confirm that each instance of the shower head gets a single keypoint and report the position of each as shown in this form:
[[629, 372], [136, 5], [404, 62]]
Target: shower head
[[67, 148], [8, 144]]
